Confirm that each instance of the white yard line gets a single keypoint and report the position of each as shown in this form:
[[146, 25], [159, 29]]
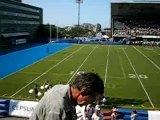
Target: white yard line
[[147, 58], [155, 52], [139, 80], [81, 65], [152, 50], [45, 72], [106, 72], [71, 72], [4, 95], [124, 75]]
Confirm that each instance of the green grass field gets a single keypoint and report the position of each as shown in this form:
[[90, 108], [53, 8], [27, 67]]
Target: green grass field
[[131, 74]]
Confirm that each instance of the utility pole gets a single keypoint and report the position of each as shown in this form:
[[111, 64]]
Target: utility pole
[[79, 2], [50, 33], [57, 32]]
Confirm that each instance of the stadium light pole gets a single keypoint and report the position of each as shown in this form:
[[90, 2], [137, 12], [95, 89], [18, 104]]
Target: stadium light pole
[[50, 31], [79, 3], [57, 33]]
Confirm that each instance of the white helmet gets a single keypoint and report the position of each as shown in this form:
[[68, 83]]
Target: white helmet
[[42, 87], [104, 100], [39, 94], [31, 91], [46, 86]]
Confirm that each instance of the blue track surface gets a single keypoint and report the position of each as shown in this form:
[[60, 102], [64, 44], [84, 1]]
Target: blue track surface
[[12, 62]]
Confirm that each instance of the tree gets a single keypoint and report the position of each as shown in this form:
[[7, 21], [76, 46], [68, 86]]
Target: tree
[[73, 32]]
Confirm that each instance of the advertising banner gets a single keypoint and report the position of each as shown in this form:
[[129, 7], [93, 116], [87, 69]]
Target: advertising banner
[[153, 115], [21, 108]]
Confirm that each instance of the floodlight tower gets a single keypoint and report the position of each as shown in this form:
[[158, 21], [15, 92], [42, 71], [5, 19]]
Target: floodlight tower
[[50, 33], [57, 33], [79, 2]]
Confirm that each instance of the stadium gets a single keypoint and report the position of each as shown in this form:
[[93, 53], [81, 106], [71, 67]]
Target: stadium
[[135, 21], [129, 65]]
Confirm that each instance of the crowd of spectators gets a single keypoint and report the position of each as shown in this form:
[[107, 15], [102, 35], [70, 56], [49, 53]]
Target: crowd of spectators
[[144, 43], [90, 112], [94, 112], [136, 26]]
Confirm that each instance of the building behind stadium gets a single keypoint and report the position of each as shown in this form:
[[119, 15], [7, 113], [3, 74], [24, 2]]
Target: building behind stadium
[[135, 21], [18, 21]]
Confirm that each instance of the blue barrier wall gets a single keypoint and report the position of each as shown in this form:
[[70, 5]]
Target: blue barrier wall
[[15, 61], [4, 107], [87, 42], [142, 114]]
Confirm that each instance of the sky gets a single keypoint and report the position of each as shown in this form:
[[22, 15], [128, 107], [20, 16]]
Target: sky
[[65, 12]]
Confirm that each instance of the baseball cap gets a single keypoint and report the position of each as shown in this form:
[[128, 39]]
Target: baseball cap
[[97, 107], [114, 109], [88, 106]]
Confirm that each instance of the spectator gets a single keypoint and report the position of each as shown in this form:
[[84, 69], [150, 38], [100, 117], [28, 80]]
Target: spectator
[[134, 115], [114, 114], [97, 113], [46, 85], [80, 111], [120, 116], [85, 117], [60, 101], [36, 92], [90, 111]]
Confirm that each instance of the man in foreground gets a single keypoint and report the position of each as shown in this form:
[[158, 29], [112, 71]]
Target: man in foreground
[[60, 101]]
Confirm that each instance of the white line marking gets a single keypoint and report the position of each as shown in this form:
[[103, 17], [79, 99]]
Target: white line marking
[[81, 65], [124, 75], [155, 52], [152, 50], [45, 72], [106, 72], [139, 79], [71, 72], [147, 58], [4, 95]]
